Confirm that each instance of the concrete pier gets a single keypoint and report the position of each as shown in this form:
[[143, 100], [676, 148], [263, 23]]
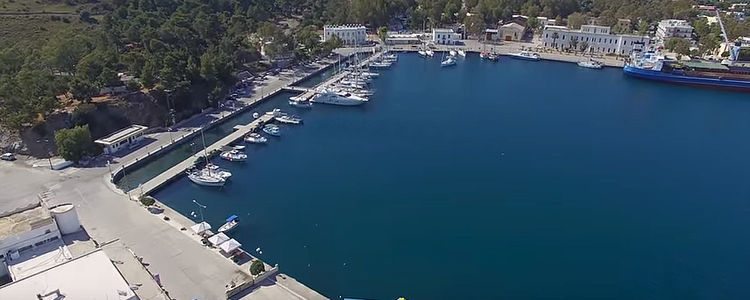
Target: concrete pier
[[180, 168]]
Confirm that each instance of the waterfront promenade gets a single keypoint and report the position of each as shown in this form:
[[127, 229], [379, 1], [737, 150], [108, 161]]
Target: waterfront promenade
[[506, 48]]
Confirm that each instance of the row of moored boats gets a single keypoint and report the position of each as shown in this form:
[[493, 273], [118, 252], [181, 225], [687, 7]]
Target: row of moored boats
[[213, 175]]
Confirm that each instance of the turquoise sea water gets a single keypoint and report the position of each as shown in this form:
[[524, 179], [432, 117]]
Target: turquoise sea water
[[513, 179]]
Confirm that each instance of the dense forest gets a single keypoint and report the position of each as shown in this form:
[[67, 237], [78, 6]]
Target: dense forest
[[185, 52]]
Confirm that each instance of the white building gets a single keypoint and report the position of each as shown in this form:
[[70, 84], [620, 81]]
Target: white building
[[403, 39], [673, 29], [124, 138], [348, 34], [25, 229], [91, 276], [598, 38], [445, 36]]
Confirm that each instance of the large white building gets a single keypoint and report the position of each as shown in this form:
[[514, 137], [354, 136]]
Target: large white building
[[348, 34], [598, 38], [673, 29], [445, 36]]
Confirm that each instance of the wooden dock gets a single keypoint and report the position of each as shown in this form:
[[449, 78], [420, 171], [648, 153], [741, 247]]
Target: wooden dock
[[180, 168]]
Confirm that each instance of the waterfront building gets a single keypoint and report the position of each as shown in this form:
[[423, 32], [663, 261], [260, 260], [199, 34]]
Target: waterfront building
[[518, 19], [544, 21], [91, 276], [445, 36], [599, 39], [673, 29], [512, 31], [351, 34], [124, 138], [403, 39]]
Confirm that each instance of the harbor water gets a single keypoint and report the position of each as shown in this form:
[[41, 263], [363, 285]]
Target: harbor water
[[512, 179]]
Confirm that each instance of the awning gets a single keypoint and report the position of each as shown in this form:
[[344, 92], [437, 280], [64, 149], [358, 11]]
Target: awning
[[200, 227], [230, 246], [231, 218], [217, 239]]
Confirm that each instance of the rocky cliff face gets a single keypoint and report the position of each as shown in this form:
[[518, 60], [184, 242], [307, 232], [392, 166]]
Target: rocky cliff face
[[103, 118]]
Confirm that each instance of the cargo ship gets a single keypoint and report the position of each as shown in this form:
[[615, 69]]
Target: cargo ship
[[730, 74]]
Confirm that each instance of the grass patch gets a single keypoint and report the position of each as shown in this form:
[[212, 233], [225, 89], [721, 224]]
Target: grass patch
[[34, 31], [45, 6]]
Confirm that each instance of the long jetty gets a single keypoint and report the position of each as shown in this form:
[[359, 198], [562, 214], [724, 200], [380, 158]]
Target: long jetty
[[180, 168]]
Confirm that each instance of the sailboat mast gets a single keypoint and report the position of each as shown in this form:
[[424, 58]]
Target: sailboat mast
[[205, 153]]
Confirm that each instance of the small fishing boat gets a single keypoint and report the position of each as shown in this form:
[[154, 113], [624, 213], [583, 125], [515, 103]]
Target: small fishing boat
[[591, 64], [430, 53], [492, 57], [239, 147], [462, 52], [484, 54], [422, 53], [288, 119], [233, 155], [453, 53], [231, 223], [272, 130], [255, 138], [300, 103]]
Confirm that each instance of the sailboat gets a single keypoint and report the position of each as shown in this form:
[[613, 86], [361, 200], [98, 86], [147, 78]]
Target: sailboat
[[230, 224], [207, 176]]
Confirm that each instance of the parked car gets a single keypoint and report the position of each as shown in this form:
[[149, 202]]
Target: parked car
[[8, 157]]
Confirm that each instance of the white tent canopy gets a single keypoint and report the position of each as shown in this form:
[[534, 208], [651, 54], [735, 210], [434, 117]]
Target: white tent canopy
[[200, 227], [218, 239], [230, 246]]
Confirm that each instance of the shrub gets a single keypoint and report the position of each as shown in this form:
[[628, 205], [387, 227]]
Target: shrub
[[257, 267], [147, 200]]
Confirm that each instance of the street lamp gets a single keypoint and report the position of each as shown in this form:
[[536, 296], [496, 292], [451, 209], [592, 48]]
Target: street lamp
[[201, 207], [46, 149]]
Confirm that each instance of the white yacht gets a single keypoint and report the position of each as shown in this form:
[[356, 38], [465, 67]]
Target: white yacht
[[391, 56], [233, 155], [272, 130], [462, 52], [591, 64], [448, 61], [200, 177], [422, 53], [380, 64], [430, 53], [453, 53], [288, 119], [214, 169], [526, 55], [329, 96], [370, 74], [255, 138]]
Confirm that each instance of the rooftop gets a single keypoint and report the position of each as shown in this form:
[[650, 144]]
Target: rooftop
[[121, 134], [80, 278], [346, 26], [38, 259], [24, 221], [442, 30], [675, 23]]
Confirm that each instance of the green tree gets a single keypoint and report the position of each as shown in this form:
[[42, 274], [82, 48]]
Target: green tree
[[678, 45], [583, 46], [575, 20], [383, 34], [73, 144], [257, 267], [708, 43], [474, 25], [643, 27], [573, 44], [83, 89], [533, 24]]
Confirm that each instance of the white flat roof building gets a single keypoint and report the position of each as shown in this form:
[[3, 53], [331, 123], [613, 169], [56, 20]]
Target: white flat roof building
[[25, 230], [445, 36], [598, 38], [126, 137], [352, 34], [92, 276], [403, 39], [673, 29]]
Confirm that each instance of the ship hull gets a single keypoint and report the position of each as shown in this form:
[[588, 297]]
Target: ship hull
[[728, 84]]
